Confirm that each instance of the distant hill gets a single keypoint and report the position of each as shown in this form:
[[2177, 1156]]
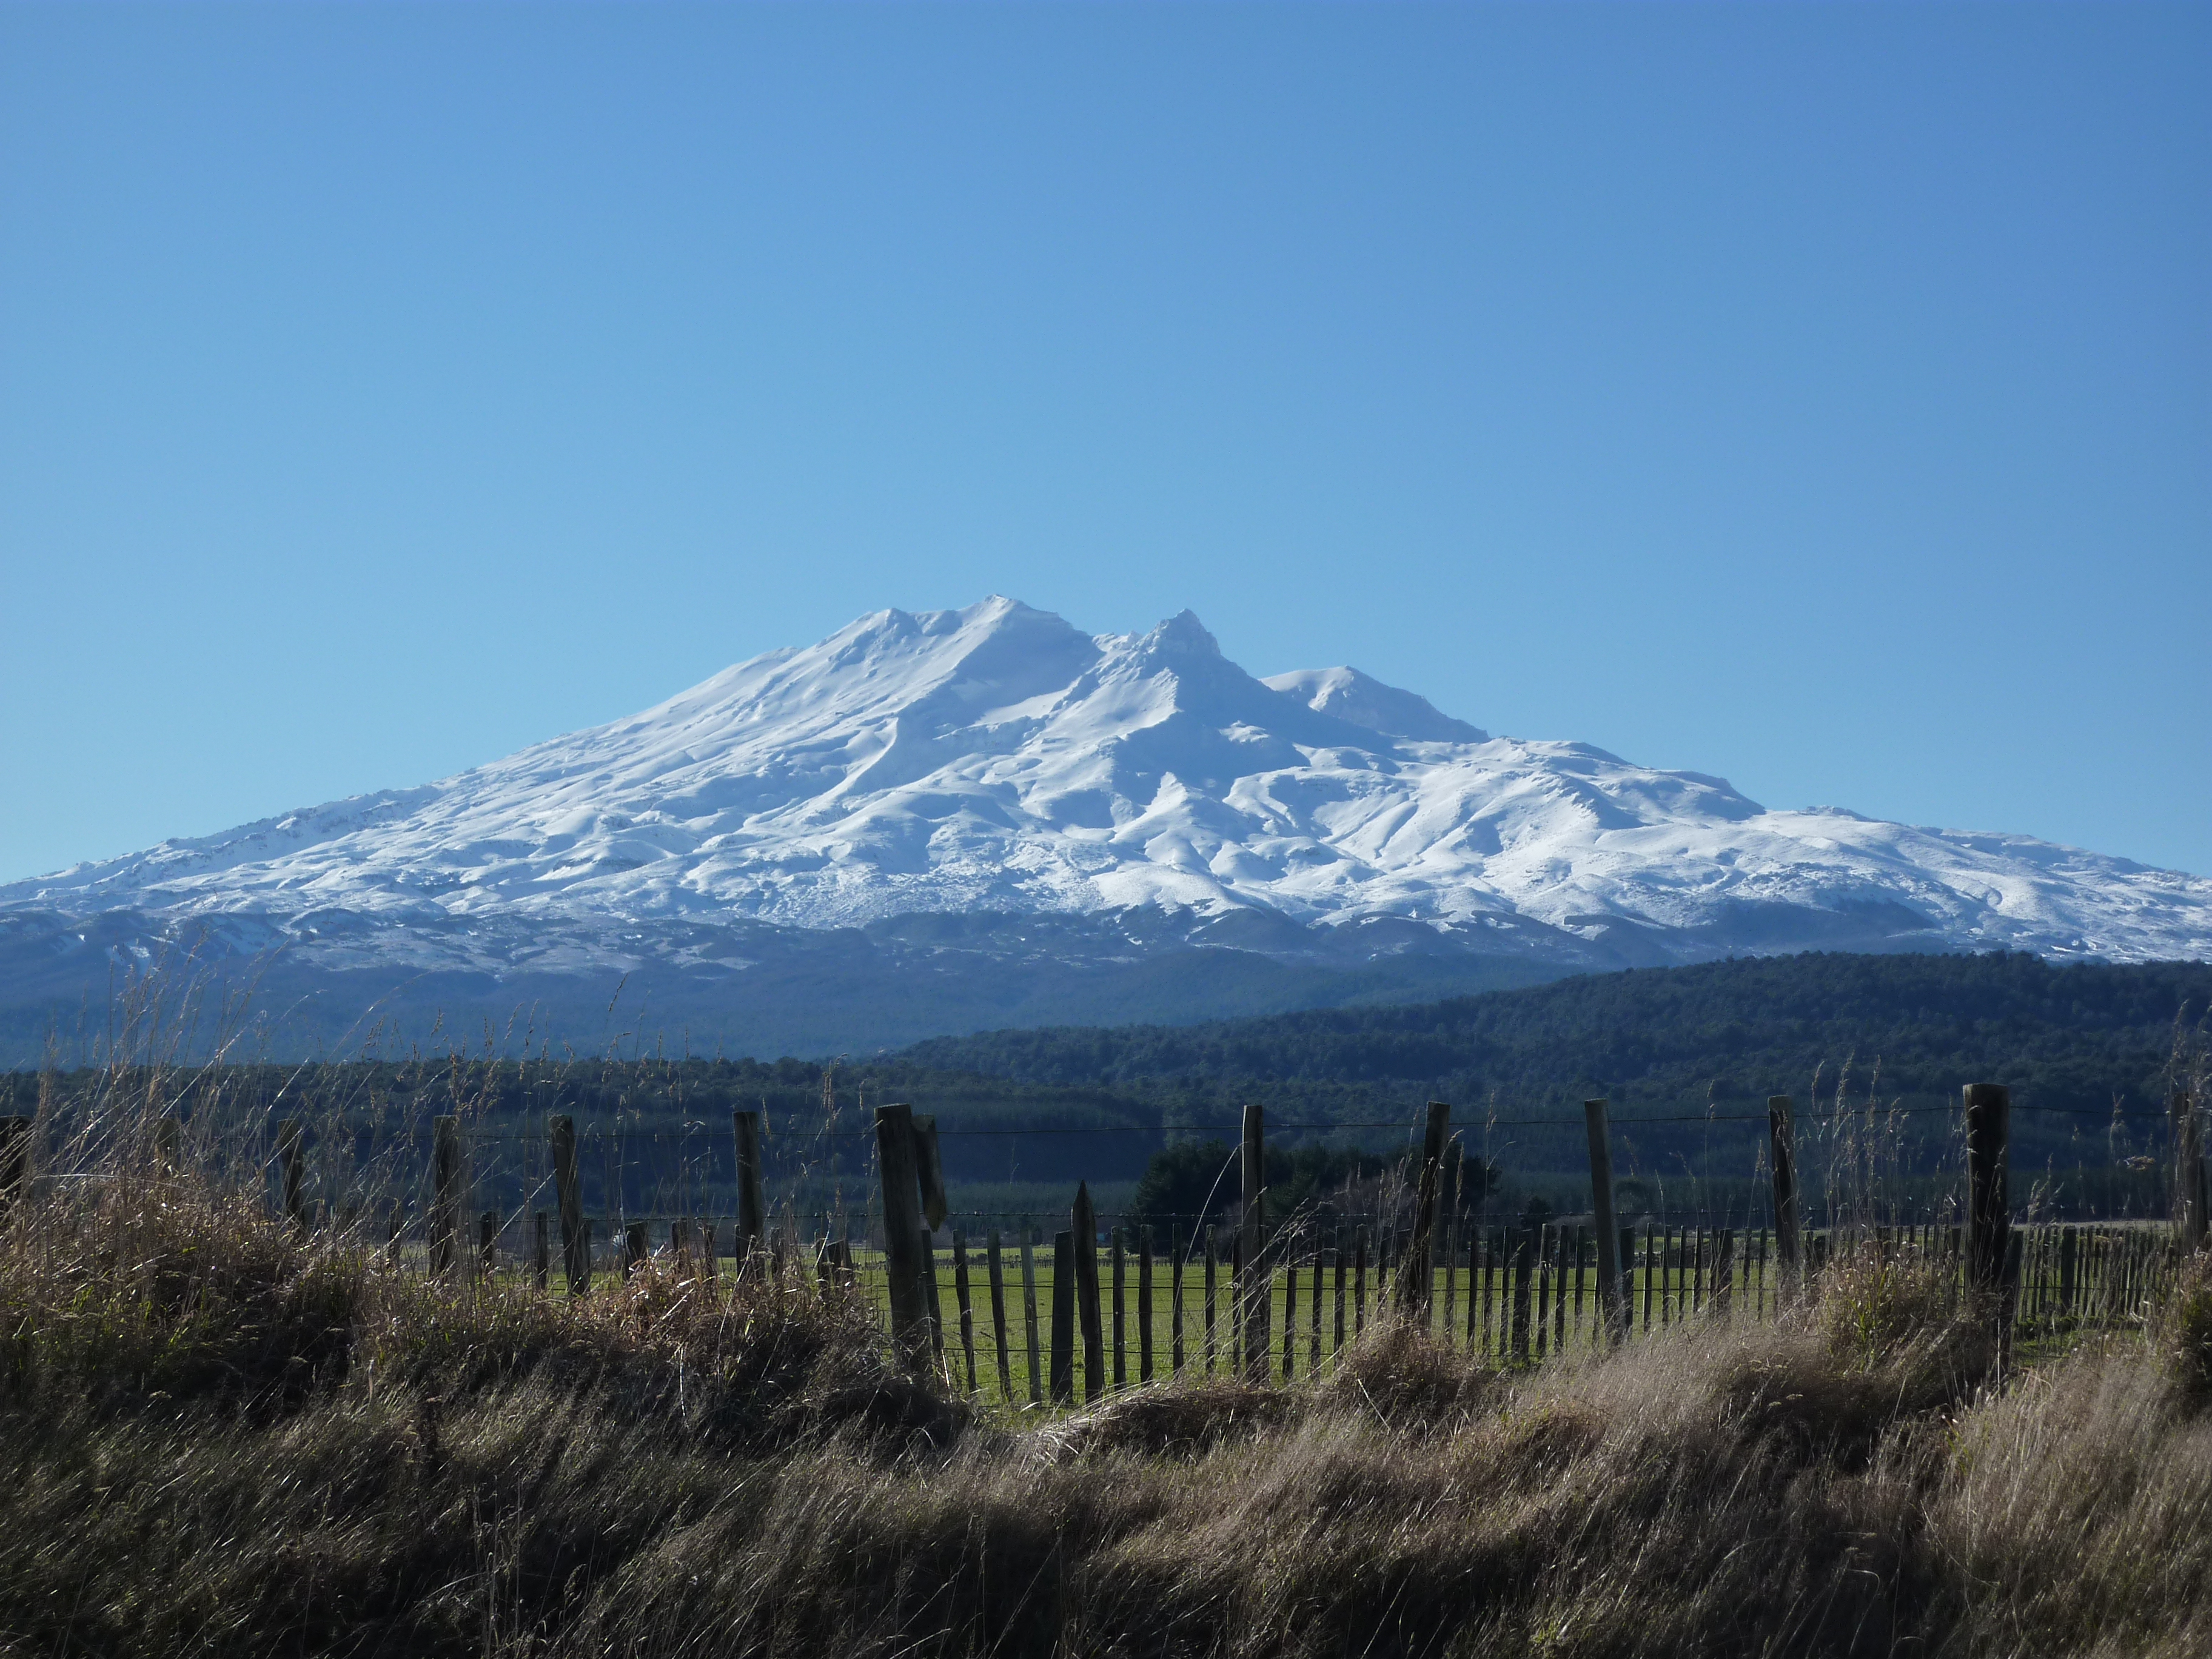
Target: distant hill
[[2073, 1042]]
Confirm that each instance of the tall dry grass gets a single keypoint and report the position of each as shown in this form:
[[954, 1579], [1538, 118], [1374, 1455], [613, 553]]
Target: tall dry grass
[[219, 1434]]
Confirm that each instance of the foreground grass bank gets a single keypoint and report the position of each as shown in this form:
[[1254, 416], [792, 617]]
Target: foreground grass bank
[[216, 1437]]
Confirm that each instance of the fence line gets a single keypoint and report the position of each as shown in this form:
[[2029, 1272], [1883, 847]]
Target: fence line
[[1198, 1293]]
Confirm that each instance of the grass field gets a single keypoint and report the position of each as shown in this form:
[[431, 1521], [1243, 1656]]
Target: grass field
[[219, 1435], [1670, 1281]]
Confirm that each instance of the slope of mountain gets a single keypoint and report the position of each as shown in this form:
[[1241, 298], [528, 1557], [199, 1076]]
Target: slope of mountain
[[1140, 792]]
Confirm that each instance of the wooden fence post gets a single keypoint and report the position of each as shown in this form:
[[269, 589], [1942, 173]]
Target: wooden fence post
[[2188, 1171], [901, 1189], [1084, 1237], [637, 1247], [1417, 1269], [1559, 1288], [1988, 1212], [450, 1172], [1030, 1314], [1144, 1303], [1176, 1253], [1358, 1282], [752, 1203], [1063, 1318], [1339, 1300], [1120, 1257], [1252, 1280], [1524, 1252], [997, 1270], [1470, 1321], [925, 1245], [1447, 1232], [569, 1192], [1212, 1268], [1612, 1294], [291, 1159], [967, 1313], [1782, 1151]]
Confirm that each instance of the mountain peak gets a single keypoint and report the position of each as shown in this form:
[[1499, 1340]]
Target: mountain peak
[[1365, 701], [1181, 636], [995, 758]]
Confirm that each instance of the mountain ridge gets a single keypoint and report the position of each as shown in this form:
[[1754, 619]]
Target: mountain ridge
[[996, 759]]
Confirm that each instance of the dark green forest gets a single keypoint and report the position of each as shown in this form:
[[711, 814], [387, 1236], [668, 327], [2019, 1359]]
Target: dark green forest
[[1687, 1056], [2088, 1051]]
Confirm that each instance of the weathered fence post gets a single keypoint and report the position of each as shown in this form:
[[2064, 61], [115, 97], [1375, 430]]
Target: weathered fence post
[[1030, 1314], [1447, 1232], [752, 1204], [2188, 1169], [1212, 1270], [1358, 1282], [1416, 1269], [1612, 1294], [637, 1247], [1567, 1256], [1084, 1238], [1145, 1303], [1524, 1251], [1252, 1279], [291, 1162], [1313, 1348], [1063, 1318], [1988, 1212], [569, 1192], [1782, 1144], [996, 1271], [1176, 1253], [927, 1247], [1343, 1264], [895, 1162], [967, 1312], [450, 1172], [1120, 1258]]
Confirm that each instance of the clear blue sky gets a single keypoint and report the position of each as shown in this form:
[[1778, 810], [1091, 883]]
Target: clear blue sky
[[1818, 395]]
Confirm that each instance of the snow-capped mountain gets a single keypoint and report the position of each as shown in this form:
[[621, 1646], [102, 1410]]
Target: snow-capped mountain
[[996, 761]]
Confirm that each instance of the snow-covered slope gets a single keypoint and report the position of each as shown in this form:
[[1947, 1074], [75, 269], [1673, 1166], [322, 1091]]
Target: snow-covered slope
[[998, 759]]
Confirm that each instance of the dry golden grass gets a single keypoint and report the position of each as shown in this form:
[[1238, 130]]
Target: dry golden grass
[[218, 1436]]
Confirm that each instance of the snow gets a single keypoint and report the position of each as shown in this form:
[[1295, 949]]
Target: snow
[[998, 757]]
